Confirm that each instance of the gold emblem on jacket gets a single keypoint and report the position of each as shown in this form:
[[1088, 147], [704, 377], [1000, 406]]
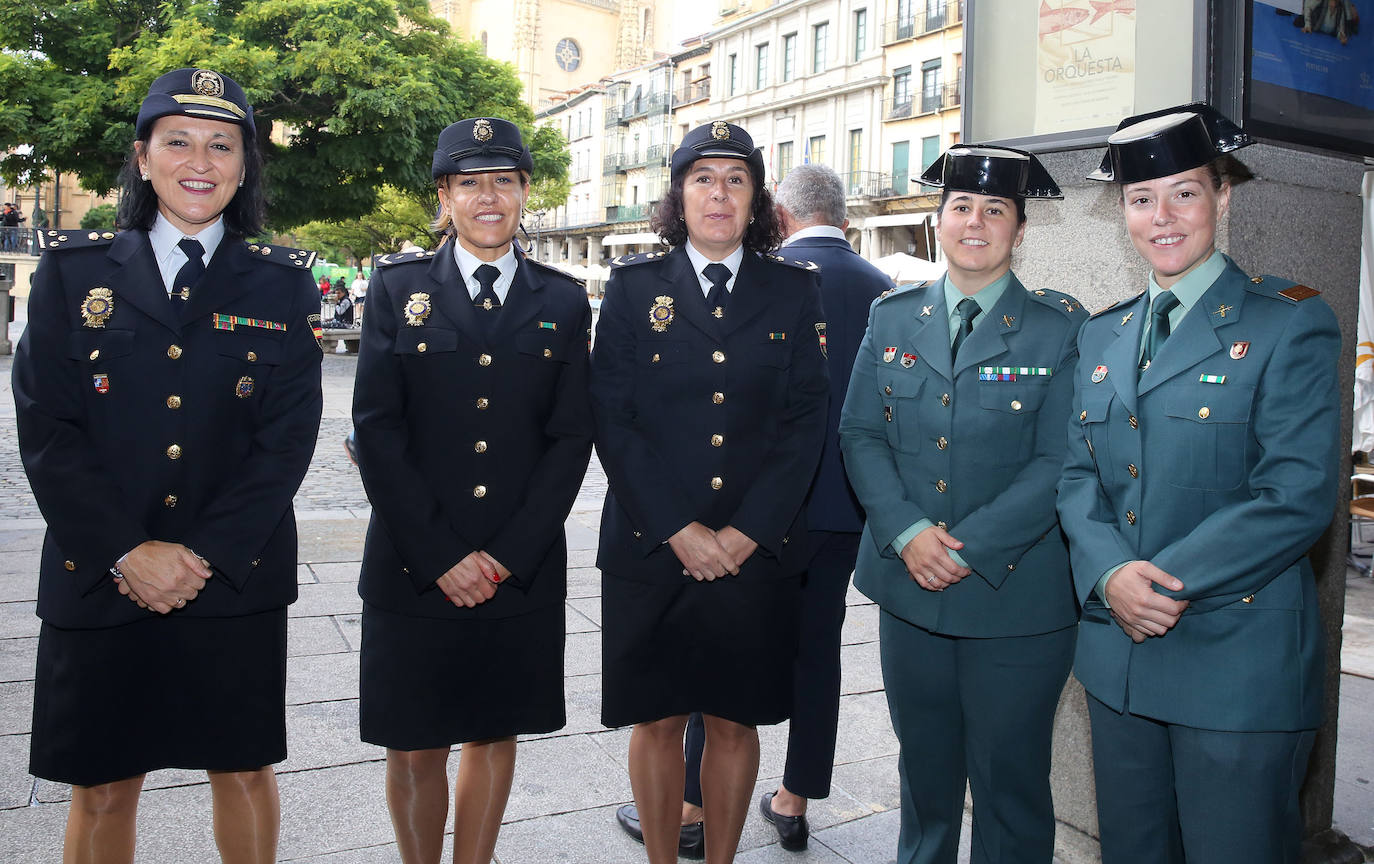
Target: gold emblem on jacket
[[98, 306], [417, 309], [661, 313]]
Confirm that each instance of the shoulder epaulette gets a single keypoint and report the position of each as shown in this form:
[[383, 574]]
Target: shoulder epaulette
[[1056, 300], [902, 290], [1105, 309], [1273, 286], [799, 263], [57, 238], [403, 258], [638, 258], [549, 268], [283, 255]]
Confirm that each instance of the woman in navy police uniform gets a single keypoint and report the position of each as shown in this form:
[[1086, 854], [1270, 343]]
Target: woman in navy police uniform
[[473, 433], [953, 436], [168, 396], [1202, 465], [709, 387]]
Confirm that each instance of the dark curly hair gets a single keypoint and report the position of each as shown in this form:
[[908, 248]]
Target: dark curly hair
[[764, 234], [243, 216]]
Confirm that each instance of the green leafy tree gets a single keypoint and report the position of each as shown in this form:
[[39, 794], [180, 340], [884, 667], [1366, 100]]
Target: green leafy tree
[[399, 218], [349, 95], [100, 216]]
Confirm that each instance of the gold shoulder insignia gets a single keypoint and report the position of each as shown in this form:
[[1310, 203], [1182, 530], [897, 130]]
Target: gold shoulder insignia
[[1299, 293], [283, 255], [402, 258], [638, 258], [75, 238]]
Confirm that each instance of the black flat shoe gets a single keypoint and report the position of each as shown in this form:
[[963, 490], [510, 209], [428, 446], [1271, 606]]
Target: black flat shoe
[[691, 842], [792, 830]]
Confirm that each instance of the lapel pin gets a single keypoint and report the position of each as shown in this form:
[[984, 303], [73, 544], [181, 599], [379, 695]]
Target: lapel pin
[[1128, 316], [889, 354], [1223, 309], [908, 360], [1239, 350], [1099, 374], [1007, 319], [926, 310]]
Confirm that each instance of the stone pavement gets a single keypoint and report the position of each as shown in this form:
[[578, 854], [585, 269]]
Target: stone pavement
[[567, 784]]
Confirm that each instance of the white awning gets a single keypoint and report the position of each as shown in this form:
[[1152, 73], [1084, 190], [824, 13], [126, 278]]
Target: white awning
[[892, 219], [630, 239]]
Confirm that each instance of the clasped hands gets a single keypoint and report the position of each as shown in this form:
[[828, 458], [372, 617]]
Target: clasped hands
[[162, 576], [1138, 608], [708, 555], [927, 559], [473, 580]]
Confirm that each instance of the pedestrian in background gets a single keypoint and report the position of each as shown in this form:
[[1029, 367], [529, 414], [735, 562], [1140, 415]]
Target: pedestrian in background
[[473, 431], [953, 436], [709, 387], [1203, 457], [167, 390]]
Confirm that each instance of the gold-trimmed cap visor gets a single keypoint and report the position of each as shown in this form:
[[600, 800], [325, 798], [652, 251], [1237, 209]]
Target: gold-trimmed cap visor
[[195, 93]]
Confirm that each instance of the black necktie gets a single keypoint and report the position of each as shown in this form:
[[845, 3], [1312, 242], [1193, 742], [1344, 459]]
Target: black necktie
[[968, 309], [1159, 327], [486, 299], [189, 273], [718, 298]]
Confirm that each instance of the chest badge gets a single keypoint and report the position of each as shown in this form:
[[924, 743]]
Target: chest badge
[[244, 388], [417, 309], [661, 313], [98, 306], [1099, 374], [908, 360], [820, 337], [1239, 350], [890, 354], [101, 382]]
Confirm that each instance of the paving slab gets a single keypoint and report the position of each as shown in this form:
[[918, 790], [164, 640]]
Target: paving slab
[[582, 654], [351, 626], [314, 635], [588, 836], [861, 670], [860, 624], [324, 735], [586, 608], [558, 775], [18, 657], [870, 840], [33, 834], [341, 571], [865, 730], [17, 538], [585, 582], [16, 707], [335, 598], [333, 810], [16, 785], [17, 619], [322, 678], [872, 783]]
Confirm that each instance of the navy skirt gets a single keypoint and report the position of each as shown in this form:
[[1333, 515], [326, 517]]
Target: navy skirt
[[167, 692], [433, 682]]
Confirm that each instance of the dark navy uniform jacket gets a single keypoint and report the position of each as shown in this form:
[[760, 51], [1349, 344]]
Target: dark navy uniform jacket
[[150, 423], [1219, 465], [469, 439], [975, 446], [849, 285], [718, 421]]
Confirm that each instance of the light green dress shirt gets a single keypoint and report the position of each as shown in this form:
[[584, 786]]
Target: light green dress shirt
[[986, 298], [1189, 291]]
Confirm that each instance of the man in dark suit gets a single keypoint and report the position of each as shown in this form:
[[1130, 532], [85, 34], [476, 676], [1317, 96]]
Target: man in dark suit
[[811, 209]]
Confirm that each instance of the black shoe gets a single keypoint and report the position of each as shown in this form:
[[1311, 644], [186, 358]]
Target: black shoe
[[691, 843], [351, 449], [792, 830]]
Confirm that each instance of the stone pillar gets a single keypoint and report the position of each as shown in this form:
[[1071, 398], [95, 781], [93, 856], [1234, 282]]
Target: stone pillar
[[1299, 219]]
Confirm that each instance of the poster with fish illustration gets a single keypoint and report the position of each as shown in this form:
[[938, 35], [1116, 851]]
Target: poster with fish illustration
[[1086, 64]]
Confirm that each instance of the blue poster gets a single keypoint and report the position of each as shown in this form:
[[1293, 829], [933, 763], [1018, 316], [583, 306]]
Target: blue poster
[[1317, 46]]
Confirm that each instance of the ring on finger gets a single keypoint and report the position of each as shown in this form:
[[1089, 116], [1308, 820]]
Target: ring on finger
[[181, 601]]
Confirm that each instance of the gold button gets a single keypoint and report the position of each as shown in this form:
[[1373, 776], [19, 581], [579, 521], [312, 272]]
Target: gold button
[[479, 491], [422, 347], [252, 356], [1249, 598], [1135, 424], [717, 397], [1011, 566], [942, 526], [941, 486], [638, 535], [95, 355], [786, 540], [174, 452], [718, 356], [480, 447], [255, 562], [70, 565], [484, 360], [174, 401], [548, 352], [942, 442], [482, 402], [174, 351], [888, 389], [1083, 415], [654, 359], [1133, 471], [717, 440], [717, 483], [1016, 405], [94, 235], [169, 501], [1257, 279], [1204, 412], [1130, 516], [944, 399]]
